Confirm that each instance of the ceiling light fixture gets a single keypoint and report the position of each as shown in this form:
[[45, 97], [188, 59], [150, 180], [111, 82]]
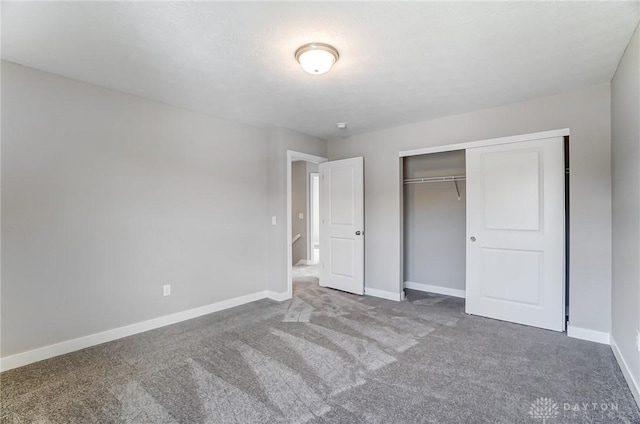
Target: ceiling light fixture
[[316, 58]]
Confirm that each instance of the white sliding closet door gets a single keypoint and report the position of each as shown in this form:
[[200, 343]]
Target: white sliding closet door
[[515, 232]]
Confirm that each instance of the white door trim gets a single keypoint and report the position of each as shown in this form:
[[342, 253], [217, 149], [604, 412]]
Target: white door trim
[[489, 142], [292, 156]]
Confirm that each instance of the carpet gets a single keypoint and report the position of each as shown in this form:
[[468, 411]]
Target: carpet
[[328, 357]]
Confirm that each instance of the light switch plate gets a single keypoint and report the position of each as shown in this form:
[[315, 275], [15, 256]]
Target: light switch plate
[[273, 220], [300, 216]]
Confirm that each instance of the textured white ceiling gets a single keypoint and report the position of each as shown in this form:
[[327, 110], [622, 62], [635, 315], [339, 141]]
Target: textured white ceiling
[[399, 62]]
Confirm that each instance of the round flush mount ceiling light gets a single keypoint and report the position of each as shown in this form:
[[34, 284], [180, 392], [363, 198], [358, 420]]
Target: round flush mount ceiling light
[[316, 58]]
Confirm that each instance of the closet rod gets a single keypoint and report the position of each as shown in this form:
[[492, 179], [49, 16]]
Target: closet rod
[[434, 179]]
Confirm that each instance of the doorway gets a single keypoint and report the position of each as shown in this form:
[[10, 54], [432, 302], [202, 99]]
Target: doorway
[[302, 208], [303, 241]]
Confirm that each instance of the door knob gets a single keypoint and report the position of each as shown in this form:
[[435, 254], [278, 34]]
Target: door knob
[[473, 239], [358, 233]]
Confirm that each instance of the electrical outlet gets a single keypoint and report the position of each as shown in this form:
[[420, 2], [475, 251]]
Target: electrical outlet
[[166, 290], [638, 340], [274, 221], [300, 216]]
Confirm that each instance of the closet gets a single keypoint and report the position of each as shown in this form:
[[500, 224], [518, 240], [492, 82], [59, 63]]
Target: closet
[[486, 221], [434, 222]]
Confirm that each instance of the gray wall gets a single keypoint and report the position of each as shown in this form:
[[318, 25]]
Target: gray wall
[[311, 168], [435, 222], [625, 134], [281, 140], [299, 187], [106, 197], [586, 112]]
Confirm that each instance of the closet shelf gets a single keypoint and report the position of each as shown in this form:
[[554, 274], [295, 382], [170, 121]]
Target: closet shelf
[[435, 179]]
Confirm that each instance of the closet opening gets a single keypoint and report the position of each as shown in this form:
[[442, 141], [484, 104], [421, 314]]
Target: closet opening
[[434, 233]]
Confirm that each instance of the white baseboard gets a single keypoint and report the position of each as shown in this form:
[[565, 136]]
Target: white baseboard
[[626, 371], [435, 289], [46, 352], [383, 294], [279, 297], [306, 262], [586, 334]]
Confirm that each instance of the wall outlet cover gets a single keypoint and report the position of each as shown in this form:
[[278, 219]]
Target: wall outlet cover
[[166, 290]]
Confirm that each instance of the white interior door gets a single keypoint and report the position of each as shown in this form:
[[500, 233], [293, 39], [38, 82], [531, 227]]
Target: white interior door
[[515, 232], [342, 225]]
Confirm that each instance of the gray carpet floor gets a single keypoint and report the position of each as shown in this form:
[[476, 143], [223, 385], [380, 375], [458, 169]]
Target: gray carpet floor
[[328, 357]]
